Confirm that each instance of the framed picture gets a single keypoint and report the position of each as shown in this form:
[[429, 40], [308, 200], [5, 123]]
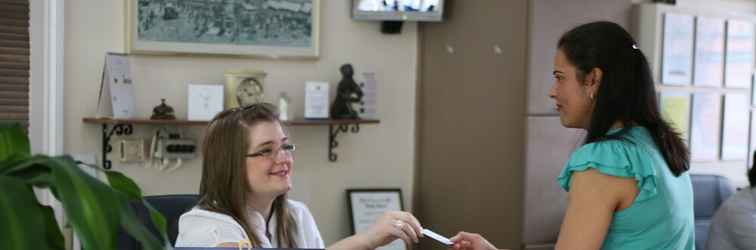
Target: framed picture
[[262, 28], [367, 205], [735, 125], [704, 129], [740, 54], [677, 50], [243, 87], [710, 42], [675, 109]]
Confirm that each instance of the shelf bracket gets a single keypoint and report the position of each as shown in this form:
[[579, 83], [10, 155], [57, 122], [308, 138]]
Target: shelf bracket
[[333, 131], [118, 129]]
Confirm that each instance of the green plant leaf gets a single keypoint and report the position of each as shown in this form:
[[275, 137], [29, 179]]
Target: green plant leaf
[[123, 184], [13, 141], [26, 223], [95, 210], [127, 186]]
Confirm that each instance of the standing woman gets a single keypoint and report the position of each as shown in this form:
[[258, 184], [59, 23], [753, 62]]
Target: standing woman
[[246, 175], [627, 184]]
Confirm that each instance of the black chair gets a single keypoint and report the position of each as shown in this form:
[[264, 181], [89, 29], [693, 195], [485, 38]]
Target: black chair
[[171, 206], [709, 191]]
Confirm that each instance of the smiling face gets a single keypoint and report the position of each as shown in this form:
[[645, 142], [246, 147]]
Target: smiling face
[[268, 175], [573, 98]]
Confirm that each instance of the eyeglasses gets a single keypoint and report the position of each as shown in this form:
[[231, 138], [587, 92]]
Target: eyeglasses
[[270, 153]]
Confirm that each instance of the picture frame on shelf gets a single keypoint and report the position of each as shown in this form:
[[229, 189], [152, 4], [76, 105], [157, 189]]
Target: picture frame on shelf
[[243, 87], [367, 205], [260, 28], [677, 49]]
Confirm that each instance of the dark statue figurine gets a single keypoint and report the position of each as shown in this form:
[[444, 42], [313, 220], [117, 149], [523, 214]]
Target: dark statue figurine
[[347, 94], [162, 112]]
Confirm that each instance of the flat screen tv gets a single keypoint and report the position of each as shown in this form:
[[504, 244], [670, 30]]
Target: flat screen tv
[[398, 10]]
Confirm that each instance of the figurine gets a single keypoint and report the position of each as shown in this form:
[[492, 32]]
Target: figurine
[[162, 112], [348, 93]]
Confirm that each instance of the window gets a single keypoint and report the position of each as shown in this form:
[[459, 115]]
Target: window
[[14, 61]]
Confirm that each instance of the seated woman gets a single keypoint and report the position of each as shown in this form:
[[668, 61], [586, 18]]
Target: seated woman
[[734, 224], [246, 174]]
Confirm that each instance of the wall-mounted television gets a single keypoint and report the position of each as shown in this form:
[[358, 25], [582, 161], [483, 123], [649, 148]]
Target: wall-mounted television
[[398, 10]]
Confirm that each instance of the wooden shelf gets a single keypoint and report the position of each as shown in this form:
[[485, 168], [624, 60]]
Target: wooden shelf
[[125, 127], [299, 122], [112, 121]]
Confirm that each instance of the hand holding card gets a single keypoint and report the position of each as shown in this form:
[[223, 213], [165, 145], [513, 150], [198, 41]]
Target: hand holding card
[[437, 237]]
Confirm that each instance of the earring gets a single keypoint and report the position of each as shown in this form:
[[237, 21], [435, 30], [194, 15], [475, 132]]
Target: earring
[[590, 96]]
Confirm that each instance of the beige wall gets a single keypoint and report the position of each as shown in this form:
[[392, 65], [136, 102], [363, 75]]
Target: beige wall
[[379, 156]]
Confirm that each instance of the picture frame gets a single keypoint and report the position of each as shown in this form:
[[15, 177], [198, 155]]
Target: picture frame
[[710, 50], [735, 126], [260, 28], [243, 87], [739, 56], [705, 124], [367, 205], [677, 49], [675, 109]]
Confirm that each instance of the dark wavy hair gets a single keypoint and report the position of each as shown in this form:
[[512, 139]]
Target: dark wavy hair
[[626, 93]]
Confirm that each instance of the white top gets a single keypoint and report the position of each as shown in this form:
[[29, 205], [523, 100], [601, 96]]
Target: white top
[[734, 223], [202, 228]]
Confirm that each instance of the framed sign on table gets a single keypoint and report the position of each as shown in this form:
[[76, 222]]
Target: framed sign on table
[[259, 28], [367, 205]]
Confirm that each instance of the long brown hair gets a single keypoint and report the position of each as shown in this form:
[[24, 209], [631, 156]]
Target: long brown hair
[[224, 186]]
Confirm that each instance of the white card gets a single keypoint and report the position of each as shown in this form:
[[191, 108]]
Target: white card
[[316, 100], [116, 88], [437, 237], [204, 101]]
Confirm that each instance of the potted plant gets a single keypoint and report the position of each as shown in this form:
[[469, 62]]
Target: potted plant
[[94, 209]]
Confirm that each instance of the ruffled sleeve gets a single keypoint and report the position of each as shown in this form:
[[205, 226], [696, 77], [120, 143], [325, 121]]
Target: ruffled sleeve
[[619, 158]]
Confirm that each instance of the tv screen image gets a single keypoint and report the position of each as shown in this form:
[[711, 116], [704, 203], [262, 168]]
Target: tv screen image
[[398, 10]]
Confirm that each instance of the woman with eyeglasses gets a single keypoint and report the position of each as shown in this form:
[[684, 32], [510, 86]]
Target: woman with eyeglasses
[[627, 185], [246, 175]]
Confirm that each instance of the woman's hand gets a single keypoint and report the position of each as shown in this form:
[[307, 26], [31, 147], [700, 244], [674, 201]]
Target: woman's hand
[[391, 226], [471, 241]]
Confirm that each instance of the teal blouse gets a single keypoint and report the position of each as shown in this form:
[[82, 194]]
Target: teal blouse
[[661, 217]]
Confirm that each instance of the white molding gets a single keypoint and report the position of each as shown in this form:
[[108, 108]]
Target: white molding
[[46, 77]]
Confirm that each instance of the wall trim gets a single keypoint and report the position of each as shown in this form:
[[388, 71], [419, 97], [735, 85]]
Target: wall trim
[[46, 76]]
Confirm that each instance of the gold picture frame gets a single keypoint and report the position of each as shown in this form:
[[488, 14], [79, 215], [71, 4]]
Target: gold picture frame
[[243, 87]]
